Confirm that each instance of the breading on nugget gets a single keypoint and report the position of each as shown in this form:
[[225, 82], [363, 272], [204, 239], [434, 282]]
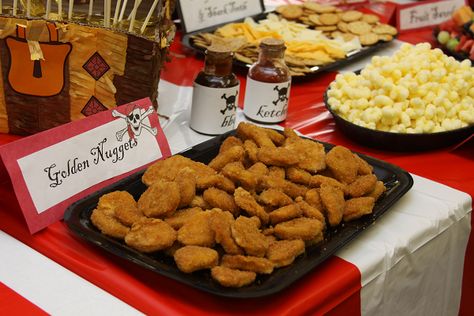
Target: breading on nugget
[[105, 221], [232, 154], [231, 277], [247, 263], [285, 213], [333, 202], [289, 188], [127, 215], [309, 211], [230, 142], [277, 156], [198, 201], [274, 198], [276, 172], [197, 231], [363, 166], [251, 150], [255, 133], [299, 228], [298, 175], [358, 207], [258, 169], [311, 155], [160, 199], [180, 217], [215, 180], [221, 223], [167, 169], [318, 180], [378, 190], [247, 202], [314, 199], [187, 186], [290, 135], [276, 137], [236, 172], [194, 258], [221, 199], [247, 235], [284, 252], [120, 205], [343, 164], [150, 235], [362, 185]]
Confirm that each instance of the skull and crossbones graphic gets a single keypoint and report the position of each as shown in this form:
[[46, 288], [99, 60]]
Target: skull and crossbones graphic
[[282, 94], [229, 102], [135, 123]]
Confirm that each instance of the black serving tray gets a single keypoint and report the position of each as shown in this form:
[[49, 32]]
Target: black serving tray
[[398, 141], [316, 70], [77, 218]]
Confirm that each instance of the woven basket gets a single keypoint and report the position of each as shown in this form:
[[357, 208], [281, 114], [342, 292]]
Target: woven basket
[[84, 69]]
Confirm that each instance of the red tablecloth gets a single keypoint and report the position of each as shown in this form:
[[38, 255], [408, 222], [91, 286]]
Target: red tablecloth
[[333, 287]]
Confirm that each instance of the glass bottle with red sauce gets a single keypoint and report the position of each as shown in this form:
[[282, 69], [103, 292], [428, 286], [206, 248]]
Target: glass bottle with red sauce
[[268, 84], [215, 94]]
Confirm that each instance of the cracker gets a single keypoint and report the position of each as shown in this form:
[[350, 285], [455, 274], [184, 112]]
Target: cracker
[[311, 6], [370, 18], [384, 29], [359, 27], [368, 39], [326, 28], [325, 9], [351, 15], [385, 37], [336, 34], [342, 26], [291, 11], [347, 37], [329, 18], [314, 18]]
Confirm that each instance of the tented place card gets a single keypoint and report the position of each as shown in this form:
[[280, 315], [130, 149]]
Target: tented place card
[[425, 13], [52, 169], [199, 14]]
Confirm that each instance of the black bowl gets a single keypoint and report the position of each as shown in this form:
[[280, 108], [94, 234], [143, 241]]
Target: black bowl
[[398, 141]]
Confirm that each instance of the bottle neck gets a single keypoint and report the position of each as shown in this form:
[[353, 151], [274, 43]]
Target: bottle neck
[[271, 57], [218, 67]]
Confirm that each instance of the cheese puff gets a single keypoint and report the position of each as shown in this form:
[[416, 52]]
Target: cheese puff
[[150, 235], [247, 202], [235, 153]]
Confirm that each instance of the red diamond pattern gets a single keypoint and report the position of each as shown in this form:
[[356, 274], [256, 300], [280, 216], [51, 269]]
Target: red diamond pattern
[[93, 106], [96, 66]]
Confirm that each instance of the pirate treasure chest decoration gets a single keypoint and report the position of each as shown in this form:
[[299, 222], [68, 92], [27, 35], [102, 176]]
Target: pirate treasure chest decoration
[[63, 61]]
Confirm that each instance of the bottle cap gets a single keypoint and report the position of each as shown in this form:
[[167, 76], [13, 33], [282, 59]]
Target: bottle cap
[[217, 50], [272, 43]]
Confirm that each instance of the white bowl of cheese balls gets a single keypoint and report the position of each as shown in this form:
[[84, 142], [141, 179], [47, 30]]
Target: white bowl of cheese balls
[[417, 99]]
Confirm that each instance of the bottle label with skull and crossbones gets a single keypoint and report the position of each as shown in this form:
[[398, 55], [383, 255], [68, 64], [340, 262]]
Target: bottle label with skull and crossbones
[[213, 110], [266, 102]]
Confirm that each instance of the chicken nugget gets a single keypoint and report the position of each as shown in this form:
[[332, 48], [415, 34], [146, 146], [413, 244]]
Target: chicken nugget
[[285, 213], [289, 188], [358, 207], [284, 252], [247, 235], [230, 142], [247, 202], [197, 231], [198, 201], [343, 164], [310, 211], [116, 198], [105, 221], [333, 202], [127, 215], [276, 172], [318, 180], [194, 258], [251, 150], [316, 240], [232, 154], [363, 166], [150, 235], [274, 198], [187, 186], [221, 223], [310, 154], [276, 137], [237, 173], [215, 180], [247, 263], [255, 133], [378, 190], [362, 185], [231, 277], [180, 217], [167, 169], [299, 228], [277, 156], [259, 169], [313, 198], [221, 199], [298, 175], [160, 199]]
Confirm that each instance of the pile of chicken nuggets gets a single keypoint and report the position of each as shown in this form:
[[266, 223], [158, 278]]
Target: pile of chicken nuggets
[[255, 207]]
